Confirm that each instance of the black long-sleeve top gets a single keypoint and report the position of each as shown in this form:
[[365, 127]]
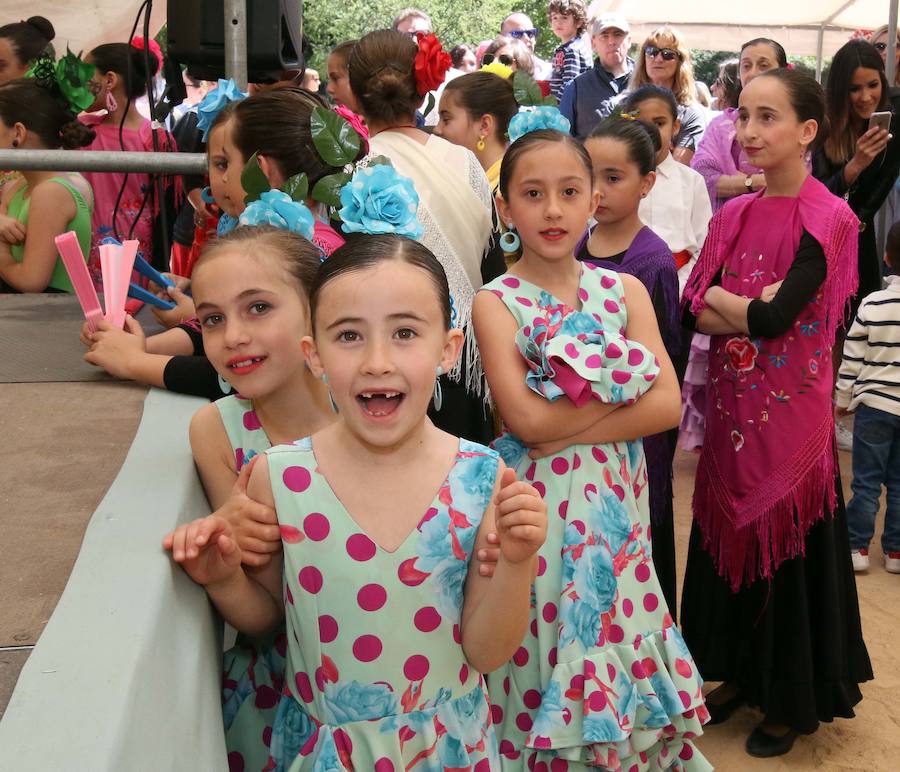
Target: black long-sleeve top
[[802, 281], [193, 374]]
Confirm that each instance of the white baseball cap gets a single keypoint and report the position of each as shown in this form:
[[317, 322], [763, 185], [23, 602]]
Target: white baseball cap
[[610, 21]]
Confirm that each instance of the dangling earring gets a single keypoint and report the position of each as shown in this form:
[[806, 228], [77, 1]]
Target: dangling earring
[[334, 406], [479, 145], [111, 104], [15, 143], [510, 241], [438, 394], [224, 385]]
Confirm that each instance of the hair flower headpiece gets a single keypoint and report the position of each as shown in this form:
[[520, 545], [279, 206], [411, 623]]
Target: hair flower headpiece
[[69, 76], [379, 200], [498, 68], [544, 117], [213, 103], [275, 207], [432, 63], [140, 44]]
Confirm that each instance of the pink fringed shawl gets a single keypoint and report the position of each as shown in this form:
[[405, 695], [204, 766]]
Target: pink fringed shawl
[[766, 473]]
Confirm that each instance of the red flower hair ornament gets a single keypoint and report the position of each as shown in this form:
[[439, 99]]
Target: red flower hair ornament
[[139, 43], [432, 63]]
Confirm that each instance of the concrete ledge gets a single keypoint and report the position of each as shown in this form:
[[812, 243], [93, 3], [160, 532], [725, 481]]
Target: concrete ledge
[[126, 675]]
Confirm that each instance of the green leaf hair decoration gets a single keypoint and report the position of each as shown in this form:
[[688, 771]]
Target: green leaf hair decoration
[[253, 181], [328, 189], [528, 93], [69, 77], [335, 139], [297, 187]]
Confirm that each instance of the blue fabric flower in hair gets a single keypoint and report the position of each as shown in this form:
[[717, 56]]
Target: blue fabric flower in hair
[[211, 105], [543, 117], [379, 200], [277, 208]]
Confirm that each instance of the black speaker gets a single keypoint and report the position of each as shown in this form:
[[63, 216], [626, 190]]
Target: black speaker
[[197, 37]]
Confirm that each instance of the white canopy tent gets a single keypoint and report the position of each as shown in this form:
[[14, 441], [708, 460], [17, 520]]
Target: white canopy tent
[[803, 27], [84, 24]]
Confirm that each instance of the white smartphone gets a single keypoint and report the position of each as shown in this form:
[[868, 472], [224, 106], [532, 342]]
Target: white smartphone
[[880, 120]]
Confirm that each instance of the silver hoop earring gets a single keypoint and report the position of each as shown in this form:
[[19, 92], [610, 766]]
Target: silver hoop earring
[[438, 396]]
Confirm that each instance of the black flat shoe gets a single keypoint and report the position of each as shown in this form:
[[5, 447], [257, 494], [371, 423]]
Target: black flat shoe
[[765, 746], [721, 712]]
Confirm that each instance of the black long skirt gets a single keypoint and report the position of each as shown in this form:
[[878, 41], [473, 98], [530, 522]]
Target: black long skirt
[[794, 646]]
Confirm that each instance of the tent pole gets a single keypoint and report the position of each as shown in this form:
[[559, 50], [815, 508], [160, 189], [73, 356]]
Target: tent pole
[[236, 42], [820, 46], [892, 42]]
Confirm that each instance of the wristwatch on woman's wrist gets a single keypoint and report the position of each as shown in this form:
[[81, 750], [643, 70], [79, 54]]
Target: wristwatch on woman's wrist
[[748, 183]]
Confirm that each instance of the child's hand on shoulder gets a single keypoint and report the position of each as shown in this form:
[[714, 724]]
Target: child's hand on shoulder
[[521, 517], [206, 549], [254, 525]]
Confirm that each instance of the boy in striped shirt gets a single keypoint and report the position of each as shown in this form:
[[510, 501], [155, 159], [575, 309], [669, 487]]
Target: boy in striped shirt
[[568, 19], [869, 386]]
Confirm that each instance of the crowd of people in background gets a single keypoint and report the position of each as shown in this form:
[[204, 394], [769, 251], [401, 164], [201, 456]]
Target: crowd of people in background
[[573, 291]]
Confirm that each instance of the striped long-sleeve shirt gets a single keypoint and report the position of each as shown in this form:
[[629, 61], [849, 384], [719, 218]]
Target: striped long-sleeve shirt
[[870, 368], [568, 63]]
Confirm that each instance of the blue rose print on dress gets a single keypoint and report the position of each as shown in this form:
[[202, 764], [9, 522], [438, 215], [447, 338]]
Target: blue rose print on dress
[[553, 714], [353, 701], [291, 730]]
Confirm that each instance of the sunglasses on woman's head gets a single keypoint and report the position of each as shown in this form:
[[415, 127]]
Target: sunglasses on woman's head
[[667, 53], [503, 59], [522, 33]]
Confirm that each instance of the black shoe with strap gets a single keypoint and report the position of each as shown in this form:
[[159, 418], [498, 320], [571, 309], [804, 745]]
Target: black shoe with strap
[[719, 712]]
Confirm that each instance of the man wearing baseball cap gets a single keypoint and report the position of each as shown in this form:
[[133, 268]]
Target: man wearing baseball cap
[[584, 97]]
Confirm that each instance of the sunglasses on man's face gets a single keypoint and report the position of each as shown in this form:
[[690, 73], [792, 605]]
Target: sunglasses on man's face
[[523, 33], [668, 54], [503, 59]]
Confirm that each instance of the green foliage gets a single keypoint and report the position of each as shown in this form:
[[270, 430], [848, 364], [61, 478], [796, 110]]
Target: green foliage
[[459, 21], [297, 187], [253, 181], [707, 63], [335, 139]]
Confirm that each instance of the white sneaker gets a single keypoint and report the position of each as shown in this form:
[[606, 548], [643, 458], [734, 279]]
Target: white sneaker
[[892, 562], [844, 436], [860, 559]]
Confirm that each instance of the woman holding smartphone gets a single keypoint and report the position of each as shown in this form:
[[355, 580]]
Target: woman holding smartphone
[[860, 159]]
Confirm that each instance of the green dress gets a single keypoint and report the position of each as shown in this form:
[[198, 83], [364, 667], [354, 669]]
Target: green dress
[[376, 677], [603, 679], [80, 223]]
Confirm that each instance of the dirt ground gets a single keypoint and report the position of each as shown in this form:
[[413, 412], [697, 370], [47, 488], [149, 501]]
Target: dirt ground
[[871, 741], [43, 516]]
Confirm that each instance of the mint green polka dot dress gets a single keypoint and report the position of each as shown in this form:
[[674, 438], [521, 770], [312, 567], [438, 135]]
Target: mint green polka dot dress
[[603, 679], [376, 675]]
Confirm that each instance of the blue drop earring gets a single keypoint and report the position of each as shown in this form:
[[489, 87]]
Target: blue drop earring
[[438, 394], [334, 406], [224, 385], [510, 241]]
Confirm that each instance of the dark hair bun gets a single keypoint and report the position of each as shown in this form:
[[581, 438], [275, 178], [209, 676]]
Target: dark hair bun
[[75, 134], [43, 26], [392, 86]]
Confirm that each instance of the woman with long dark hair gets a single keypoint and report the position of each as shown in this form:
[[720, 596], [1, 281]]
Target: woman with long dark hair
[[857, 161]]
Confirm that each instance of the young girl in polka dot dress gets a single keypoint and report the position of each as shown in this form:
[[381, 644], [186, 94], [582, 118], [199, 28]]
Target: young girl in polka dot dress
[[602, 679], [252, 293], [380, 512]]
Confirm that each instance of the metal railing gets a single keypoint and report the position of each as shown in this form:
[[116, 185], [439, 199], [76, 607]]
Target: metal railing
[[103, 161]]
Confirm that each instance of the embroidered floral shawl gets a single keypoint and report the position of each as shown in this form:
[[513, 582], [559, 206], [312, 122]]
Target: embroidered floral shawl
[[766, 473]]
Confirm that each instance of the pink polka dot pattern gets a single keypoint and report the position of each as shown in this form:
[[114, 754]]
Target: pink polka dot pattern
[[310, 579], [371, 597], [613, 351], [384, 764], [251, 421], [651, 602], [316, 526], [611, 306], [360, 547], [290, 534], [512, 282], [328, 628], [303, 687], [427, 619], [559, 465], [416, 667], [296, 478], [367, 648], [642, 572]]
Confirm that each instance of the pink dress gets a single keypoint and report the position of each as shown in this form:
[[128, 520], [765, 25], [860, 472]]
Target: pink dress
[[138, 205]]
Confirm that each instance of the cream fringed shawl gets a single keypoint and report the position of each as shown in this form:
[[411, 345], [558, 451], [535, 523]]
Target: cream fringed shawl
[[456, 212]]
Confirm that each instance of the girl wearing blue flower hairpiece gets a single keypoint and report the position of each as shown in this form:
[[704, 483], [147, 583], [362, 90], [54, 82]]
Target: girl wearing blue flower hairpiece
[[389, 623], [603, 679]]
